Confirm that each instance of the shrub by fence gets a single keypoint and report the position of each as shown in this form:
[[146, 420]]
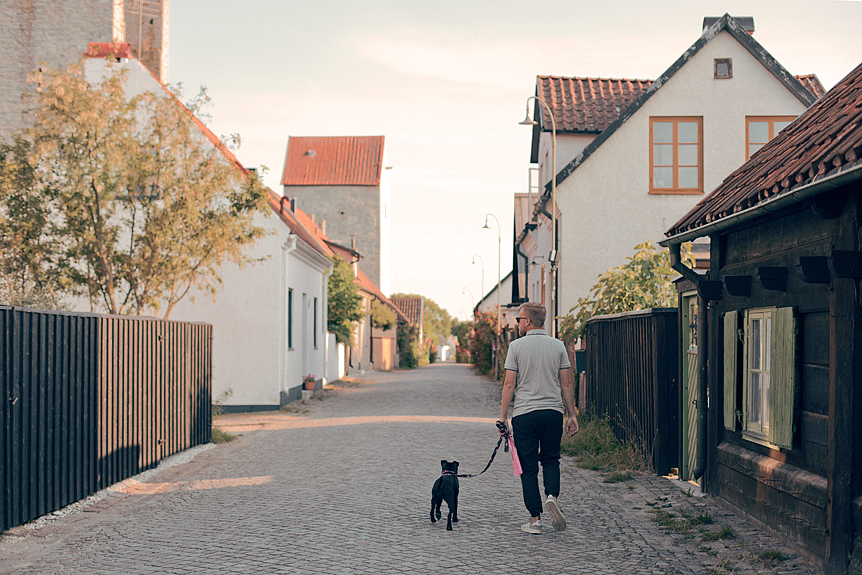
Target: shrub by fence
[[87, 400], [631, 365]]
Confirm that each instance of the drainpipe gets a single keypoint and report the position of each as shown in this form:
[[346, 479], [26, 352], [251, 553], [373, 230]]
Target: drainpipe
[[324, 314], [287, 248], [677, 264]]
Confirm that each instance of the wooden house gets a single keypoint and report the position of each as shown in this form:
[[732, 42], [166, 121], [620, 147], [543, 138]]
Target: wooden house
[[779, 347]]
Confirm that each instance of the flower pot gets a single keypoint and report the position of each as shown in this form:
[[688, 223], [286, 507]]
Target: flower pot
[[308, 385]]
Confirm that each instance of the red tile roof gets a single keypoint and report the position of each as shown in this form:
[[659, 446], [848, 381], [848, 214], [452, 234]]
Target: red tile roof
[[410, 307], [105, 49], [826, 138], [333, 161], [812, 83], [585, 104]]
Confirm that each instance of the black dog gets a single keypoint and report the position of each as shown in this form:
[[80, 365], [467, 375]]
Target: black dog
[[446, 488]]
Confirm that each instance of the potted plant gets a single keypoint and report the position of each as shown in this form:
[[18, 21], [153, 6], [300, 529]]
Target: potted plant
[[308, 382]]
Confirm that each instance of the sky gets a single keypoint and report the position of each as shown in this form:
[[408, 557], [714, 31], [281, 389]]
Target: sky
[[446, 82]]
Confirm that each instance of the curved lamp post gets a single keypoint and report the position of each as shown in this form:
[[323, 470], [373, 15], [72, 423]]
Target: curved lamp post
[[552, 257], [499, 247], [472, 299], [482, 293]]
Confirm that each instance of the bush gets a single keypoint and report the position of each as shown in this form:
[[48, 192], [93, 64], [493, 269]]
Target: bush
[[595, 447], [407, 338], [482, 341]]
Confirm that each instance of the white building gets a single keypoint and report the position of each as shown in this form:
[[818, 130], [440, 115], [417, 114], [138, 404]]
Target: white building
[[269, 320], [645, 152]]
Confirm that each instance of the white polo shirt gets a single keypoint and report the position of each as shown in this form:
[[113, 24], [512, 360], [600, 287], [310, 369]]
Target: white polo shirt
[[537, 358]]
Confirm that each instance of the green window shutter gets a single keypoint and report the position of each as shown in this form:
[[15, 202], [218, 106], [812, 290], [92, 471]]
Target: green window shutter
[[782, 377], [730, 353]]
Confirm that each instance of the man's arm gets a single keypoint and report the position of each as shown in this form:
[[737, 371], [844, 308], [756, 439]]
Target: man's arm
[[568, 390], [508, 393]]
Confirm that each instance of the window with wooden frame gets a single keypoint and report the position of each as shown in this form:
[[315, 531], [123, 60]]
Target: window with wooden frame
[[765, 408], [676, 155], [722, 68], [289, 318], [761, 129]]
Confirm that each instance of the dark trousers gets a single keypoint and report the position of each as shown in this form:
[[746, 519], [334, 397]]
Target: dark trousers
[[537, 439]]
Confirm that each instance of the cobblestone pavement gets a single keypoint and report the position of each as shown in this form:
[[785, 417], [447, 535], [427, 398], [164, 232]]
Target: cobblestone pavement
[[342, 485]]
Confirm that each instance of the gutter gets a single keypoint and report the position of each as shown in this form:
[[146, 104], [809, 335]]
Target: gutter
[[838, 178]]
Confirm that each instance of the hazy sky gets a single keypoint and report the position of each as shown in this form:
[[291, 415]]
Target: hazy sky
[[446, 82]]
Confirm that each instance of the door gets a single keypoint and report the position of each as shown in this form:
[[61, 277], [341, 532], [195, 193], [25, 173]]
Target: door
[[689, 385]]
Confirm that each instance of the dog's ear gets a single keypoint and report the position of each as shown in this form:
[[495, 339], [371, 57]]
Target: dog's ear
[[455, 463], [443, 462]]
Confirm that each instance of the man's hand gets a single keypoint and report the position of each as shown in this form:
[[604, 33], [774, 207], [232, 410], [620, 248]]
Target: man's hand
[[572, 426], [502, 427]]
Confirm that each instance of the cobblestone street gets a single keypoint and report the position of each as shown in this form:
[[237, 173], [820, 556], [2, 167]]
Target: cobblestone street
[[342, 485]]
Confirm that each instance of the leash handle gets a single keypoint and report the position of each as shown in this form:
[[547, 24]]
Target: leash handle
[[504, 436]]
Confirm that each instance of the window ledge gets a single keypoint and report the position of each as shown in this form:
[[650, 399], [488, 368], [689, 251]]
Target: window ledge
[[759, 439], [664, 192]]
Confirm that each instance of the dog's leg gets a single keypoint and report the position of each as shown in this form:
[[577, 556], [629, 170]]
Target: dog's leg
[[455, 507], [449, 521], [433, 502]]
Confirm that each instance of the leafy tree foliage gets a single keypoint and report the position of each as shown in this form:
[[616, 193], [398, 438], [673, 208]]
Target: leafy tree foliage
[[408, 346], [462, 330], [345, 303], [642, 283], [137, 208], [436, 321], [382, 316]]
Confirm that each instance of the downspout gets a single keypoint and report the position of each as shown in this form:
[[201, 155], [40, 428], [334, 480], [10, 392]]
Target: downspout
[[324, 314], [288, 248], [689, 274]]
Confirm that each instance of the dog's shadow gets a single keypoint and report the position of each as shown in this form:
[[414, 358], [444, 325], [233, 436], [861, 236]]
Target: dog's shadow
[[446, 489]]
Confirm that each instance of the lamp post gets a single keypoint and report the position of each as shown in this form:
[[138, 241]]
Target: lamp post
[[499, 251], [481, 293], [552, 257], [472, 299]]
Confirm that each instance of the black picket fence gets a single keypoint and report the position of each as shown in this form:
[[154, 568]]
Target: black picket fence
[[631, 366], [88, 400]]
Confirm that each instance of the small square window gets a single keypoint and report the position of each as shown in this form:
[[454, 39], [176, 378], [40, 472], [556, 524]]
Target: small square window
[[723, 68]]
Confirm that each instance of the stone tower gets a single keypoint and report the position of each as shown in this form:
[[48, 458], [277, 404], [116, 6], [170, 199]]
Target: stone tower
[[57, 33]]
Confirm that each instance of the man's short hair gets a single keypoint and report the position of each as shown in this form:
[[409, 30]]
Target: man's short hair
[[536, 312]]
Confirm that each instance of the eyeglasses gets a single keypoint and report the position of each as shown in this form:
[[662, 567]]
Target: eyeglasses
[[520, 318]]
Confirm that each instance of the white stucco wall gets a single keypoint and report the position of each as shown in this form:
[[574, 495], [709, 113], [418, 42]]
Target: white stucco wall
[[606, 201], [249, 315]]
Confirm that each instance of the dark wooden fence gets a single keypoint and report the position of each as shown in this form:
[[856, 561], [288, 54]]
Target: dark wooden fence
[[631, 366], [88, 400]]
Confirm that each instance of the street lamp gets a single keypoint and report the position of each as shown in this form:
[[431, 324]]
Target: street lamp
[[499, 248], [552, 257], [482, 293], [472, 299]]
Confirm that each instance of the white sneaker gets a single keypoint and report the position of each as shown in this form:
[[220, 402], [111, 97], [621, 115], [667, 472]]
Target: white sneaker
[[530, 527], [557, 519]]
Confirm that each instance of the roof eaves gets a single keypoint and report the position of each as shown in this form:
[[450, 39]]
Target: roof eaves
[[726, 22]]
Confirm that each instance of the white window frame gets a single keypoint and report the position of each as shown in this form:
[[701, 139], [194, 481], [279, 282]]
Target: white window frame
[[758, 428]]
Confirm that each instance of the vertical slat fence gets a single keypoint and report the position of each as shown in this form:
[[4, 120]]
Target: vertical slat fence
[[632, 380], [87, 400]]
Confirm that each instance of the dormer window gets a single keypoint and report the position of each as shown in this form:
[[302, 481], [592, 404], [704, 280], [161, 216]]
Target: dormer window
[[723, 68]]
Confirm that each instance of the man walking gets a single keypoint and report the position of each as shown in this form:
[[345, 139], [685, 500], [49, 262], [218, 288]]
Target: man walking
[[537, 377]]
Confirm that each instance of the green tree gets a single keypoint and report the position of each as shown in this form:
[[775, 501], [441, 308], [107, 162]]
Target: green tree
[[345, 303], [382, 316], [482, 341], [141, 207], [436, 321], [644, 282]]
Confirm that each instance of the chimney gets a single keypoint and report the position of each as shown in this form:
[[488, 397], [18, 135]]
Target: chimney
[[747, 22], [323, 227], [312, 219]]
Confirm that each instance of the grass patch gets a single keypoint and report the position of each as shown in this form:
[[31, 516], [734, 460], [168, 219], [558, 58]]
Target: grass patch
[[595, 447], [772, 558], [220, 436], [725, 532], [703, 519], [619, 477]]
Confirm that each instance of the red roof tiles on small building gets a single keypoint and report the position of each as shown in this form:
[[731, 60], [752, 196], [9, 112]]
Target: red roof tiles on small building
[[333, 161], [411, 307], [826, 138], [586, 104]]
